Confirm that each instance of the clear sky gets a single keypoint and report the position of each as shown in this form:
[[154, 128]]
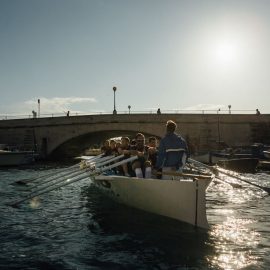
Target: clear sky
[[172, 54]]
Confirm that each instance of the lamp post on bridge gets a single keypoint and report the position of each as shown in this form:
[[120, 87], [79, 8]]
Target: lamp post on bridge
[[218, 127], [229, 106], [114, 90], [129, 108], [38, 108]]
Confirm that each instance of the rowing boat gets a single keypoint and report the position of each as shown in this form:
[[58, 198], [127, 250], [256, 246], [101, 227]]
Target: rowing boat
[[182, 200]]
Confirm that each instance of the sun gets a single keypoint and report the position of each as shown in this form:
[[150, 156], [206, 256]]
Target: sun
[[226, 53], [222, 53]]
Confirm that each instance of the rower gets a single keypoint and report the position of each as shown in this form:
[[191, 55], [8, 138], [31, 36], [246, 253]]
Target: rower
[[141, 167]]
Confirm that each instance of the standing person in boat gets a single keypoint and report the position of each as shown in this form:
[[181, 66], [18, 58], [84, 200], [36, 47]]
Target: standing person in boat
[[172, 152]]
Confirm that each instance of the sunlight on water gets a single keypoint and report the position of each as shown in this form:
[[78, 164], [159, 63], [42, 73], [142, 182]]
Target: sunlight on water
[[234, 234], [241, 196], [234, 260], [236, 230], [236, 238]]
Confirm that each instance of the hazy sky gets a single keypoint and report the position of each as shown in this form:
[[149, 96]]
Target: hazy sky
[[172, 54]]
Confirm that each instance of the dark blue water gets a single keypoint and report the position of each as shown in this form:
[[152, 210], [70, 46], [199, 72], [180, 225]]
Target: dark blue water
[[77, 227]]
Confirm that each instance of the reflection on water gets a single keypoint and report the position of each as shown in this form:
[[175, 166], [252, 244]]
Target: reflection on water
[[236, 236], [229, 237]]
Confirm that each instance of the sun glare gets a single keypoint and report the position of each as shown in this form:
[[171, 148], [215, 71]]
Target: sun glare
[[226, 53], [223, 52]]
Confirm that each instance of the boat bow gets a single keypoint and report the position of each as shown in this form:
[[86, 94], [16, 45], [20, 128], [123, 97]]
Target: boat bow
[[181, 200]]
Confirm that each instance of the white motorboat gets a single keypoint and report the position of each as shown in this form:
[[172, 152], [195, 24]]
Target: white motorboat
[[182, 200], [15, 158]]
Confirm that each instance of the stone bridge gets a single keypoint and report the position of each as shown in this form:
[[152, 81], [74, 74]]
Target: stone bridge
[[70, 136]]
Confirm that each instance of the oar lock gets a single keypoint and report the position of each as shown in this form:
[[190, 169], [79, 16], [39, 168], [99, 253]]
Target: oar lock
[[84, 164]]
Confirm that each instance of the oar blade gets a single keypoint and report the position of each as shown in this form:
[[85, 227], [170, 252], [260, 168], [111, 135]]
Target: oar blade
[[19, 182]]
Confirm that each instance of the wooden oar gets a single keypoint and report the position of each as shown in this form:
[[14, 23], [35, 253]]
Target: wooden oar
[[266, 189], [84, 176], [91, 161], [77, 172], [39, 178], [90, 157], [58, 178], [46, 190], [114, 158], [215, 171], [35, 179]]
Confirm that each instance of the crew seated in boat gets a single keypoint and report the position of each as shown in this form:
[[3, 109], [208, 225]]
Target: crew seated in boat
[[152, 150], [124, 148], [105, 148], [113, 146], [109, 148], [117, 146], [141, 167], [172, 152]]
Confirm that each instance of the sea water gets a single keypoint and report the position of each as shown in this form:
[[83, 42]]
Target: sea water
[[77, 227]]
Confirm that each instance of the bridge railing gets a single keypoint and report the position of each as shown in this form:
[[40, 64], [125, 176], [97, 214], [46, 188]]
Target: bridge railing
[[175, 111]]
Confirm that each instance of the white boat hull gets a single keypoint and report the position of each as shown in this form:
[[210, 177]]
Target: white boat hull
[[181, 200]]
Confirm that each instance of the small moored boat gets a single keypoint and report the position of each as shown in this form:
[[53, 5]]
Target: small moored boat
[[16, 158], [182, 200], [266, 154]]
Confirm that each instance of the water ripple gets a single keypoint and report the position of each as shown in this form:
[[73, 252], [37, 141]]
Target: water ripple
[[77, 227]]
